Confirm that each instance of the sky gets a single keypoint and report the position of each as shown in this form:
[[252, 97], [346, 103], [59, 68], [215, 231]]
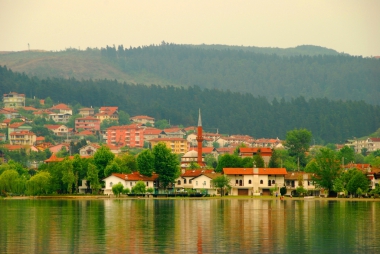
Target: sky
[[347, 26]]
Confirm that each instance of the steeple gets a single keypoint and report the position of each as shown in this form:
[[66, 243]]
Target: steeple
[[199, 118]]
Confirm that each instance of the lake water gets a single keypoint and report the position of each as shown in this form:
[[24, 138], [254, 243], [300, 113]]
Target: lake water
[[189, 226]]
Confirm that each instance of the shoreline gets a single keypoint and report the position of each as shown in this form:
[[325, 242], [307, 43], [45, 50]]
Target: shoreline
[[104, 197]]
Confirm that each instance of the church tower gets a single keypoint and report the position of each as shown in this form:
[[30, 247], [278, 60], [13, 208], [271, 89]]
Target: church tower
[[200, 140]]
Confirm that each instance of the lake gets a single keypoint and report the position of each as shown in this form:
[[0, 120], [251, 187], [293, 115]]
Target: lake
[[189, 226]]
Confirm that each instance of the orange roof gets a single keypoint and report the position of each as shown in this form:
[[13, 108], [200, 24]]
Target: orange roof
[[250, 171], [196, 172], [85, 133], [207, 149], [22, 133], [53, 126], [152, 131], [40, 138], [16, 125], [14, 147], [136, 176], [61, 106], [30, 108]]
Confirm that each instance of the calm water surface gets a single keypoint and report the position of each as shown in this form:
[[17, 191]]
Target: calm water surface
[[189, 226]]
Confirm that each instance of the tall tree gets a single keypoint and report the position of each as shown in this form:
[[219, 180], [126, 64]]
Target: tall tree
[[326, 168], [298, 143], [145, 162], [222, 182], [166, 164], [93, 178], [102, 157], [68, 176], [346, 155]]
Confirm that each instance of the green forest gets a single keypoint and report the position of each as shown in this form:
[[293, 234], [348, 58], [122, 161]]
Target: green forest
[[307, 71], [229, 112]]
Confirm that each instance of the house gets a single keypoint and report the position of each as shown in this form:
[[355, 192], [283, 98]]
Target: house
[[60, 117], [108, 113], [89, 149], [185, 180], [62, 108], [19, 126], [174, 133], [225, 150], [151, 133], [27, 148], [3, 137], [59, 147], [44, 113], [126, 135], [40, 140], [87, 123], [271, 143], [24, 137], [176, 145], [295, 179], [128, 181], [255, 181], [143, 120], [9, 113], [266, 153], [14, 100], [58, 129], [86, 112]]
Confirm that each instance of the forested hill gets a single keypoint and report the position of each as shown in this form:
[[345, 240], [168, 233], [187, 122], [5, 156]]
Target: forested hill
[[230, 112], [308, 71]]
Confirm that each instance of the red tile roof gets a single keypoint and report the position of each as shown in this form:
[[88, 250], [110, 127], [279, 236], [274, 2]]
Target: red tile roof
[[136, 176], [61, 106], [250, 171], [196, 172], [152, 131], [142, 117], [16, 125]]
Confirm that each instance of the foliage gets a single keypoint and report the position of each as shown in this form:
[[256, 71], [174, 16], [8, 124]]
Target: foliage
[[228, 161], [298, 143], [326, 167], [301, 191], [8, 180], [139, 188], [346, 155], [102, 157], [108, 123], [145, 162], [127, 163], [358, 181], [150, 190], [93, 178], [166, 164], [222, 182], [258, 161], [124, 118], [275, 160], [112, 167], [68, 176], [162, 124], [126, 191], [38, 184], [283, 191], [117, 189], [194, 165], [210, 161]]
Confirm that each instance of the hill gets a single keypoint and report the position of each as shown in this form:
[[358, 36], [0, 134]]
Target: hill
[[308, 71], [230, 112]]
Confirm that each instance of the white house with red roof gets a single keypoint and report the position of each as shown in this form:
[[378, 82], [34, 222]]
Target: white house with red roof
[[22, 138], [142, 119], [186, 179], [255, 181], [151, 133], [62, 108], [86, 112], [265, 152], [58, 129], [108, 113], [128, 181]]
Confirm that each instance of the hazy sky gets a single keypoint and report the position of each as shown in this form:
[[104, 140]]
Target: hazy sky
[[347, 26]]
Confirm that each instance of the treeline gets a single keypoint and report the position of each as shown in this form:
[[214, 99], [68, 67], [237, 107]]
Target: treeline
[[270, 75], [229, 112]]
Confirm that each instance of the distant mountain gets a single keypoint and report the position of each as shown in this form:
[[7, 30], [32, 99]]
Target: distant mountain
[[308, 71]]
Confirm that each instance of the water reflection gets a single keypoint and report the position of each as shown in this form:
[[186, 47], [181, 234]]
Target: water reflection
[[188, 226]]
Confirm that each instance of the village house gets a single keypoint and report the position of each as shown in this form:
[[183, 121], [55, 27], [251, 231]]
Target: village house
[[174, 132], [58, 129], [151, 133], [19, 126], [108, 113], [14, 100], [128, 181], [9, 113], [86, 112], [255, 181], [266, 153], [60, 117], [126, 135], [143, 120], [87, 123], [89, 150], [197, 179], [271, 143], [62, 108], [176, 145], [22, 138], [293, 180]]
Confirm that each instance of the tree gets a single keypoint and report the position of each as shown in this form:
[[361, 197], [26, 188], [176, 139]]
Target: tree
[[93, 178], [275, 160], [162, 124], [113, 167], [8, 180], [228, 161], [124, 118], [139, 188], [194, 165], [102, 157], [39, 184], [68, 176], [145, 162], [166, 164], [298, 143], [108, 123], [346, 155], [358, 181], [258, 161], [222, 182], [211, 161], [326, 167], [301, 191], [117, 189]]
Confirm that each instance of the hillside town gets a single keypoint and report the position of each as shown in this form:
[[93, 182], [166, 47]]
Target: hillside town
[[58, 132]]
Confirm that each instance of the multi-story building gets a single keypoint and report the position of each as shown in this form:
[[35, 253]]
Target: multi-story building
[[108, 113], [127, 135], [60, 117], [14, 100], [22, 138], [86, 112], [57, 129], [17, 127], [87, 123], [62, 108], [176, 145]]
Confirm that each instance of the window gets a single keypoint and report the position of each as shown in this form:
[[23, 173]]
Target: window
[[179, 182], [130, 183], [237, 181], [249, 181], [261, 181], [147, 183], [273, 181], [110, 184], [190, 181], [184, 181]]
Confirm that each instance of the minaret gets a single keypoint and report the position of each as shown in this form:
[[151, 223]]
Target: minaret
[[199, 140]]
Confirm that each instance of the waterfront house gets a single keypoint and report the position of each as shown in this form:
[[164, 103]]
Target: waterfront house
[[293, 180], [196, 179], [128, 181]]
